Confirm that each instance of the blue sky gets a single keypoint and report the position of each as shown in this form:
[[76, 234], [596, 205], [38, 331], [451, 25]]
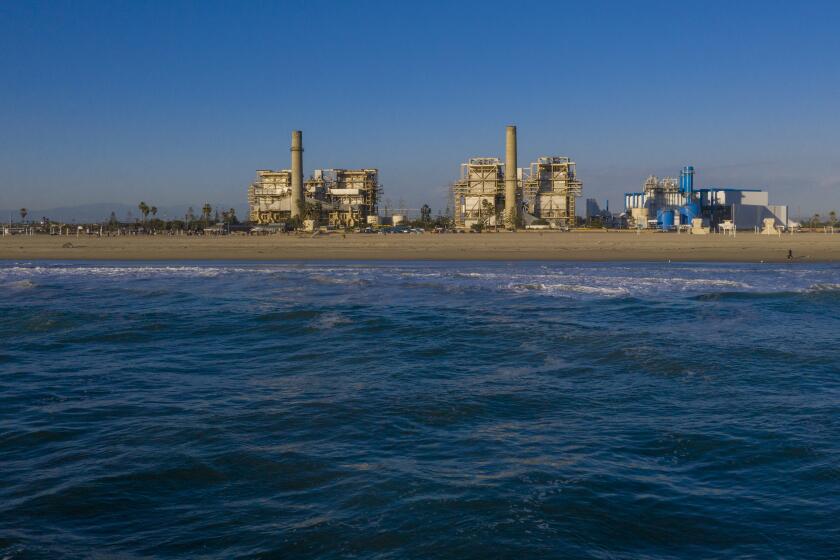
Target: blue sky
[[179, 102]]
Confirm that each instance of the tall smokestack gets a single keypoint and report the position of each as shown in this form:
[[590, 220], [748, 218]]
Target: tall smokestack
[[297, 174], [510, 179]]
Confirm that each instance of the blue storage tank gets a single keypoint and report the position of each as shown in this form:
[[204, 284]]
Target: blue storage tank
[[666, 219], [689, 212]]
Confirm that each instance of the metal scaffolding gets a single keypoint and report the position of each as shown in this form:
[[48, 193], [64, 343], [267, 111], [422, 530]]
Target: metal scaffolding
[[479, 195], [550, 188], [269, 198], [352, 194], [341, 197]]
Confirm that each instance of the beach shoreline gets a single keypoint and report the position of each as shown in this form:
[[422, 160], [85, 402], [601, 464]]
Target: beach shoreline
[[522, 246]]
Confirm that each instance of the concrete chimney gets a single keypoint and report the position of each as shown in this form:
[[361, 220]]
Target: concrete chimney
[[297, 174], [511, 213]]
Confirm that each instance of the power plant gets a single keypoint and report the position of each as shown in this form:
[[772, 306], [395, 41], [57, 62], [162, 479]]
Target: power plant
[[337, 197], [494, 194], [669, 203], [490, 193]]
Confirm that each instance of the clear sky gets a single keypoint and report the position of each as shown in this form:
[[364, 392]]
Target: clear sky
[[177, 102]]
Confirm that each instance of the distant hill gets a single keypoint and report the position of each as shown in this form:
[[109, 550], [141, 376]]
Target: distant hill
[[90, 213]]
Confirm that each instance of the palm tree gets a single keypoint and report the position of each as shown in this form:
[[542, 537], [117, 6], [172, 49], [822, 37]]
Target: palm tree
[[833, 217], [23, 214], [815, 220], [153, 210], [144, 209]]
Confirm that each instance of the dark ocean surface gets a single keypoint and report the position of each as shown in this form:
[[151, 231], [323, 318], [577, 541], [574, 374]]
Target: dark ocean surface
[[419, 410]]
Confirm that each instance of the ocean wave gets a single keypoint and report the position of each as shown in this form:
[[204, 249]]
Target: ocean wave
[[823, 288], [561, 279], [709, 282], [565, 288], [21, 285], [330, 320], [339, 280], [143, 271]]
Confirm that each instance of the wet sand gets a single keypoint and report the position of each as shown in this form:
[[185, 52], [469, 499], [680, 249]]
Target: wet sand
[[572, 246]]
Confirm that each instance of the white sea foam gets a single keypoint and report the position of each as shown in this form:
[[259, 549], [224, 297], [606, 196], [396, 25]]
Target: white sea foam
[[563, 288], [559, 280], [816, 288], [330, 320], [130, 271]]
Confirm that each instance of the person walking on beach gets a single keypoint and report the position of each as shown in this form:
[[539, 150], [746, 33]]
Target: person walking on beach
[[790, 254]]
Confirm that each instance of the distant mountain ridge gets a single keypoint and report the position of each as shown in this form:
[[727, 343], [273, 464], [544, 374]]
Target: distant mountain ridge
[[101, 212]]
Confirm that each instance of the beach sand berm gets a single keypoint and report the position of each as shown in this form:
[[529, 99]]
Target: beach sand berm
[[559, 246]]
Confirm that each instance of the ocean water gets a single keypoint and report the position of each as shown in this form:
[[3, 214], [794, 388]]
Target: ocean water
[[419, 410]]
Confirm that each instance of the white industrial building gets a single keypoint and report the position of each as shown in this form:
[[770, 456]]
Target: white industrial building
[[746, 208]]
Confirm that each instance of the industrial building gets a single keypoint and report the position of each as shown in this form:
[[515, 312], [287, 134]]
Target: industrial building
[[550, 190], [479, 193], [594, 214], [490, 193], [348, 196], [269, 198], [337, 197], [669, 203]]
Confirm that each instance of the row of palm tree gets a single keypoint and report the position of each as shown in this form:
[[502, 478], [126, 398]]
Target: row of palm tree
[[206, 212], [816, 219], [145, 209]]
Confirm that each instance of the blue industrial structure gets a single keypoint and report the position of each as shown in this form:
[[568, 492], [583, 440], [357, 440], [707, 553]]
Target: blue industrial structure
[[668, 203], [672, 203], [687, 179]]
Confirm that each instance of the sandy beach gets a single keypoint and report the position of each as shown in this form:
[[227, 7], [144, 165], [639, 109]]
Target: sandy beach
[[573, 246]]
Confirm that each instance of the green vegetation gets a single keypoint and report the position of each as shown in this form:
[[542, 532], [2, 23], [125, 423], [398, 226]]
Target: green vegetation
[[144, 210]]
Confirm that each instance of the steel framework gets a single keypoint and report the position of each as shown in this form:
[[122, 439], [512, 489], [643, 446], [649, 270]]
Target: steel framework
[[550, 190], [479, 195]]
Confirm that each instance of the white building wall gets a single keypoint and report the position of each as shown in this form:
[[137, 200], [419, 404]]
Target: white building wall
[[759, 198], [751, 216]]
